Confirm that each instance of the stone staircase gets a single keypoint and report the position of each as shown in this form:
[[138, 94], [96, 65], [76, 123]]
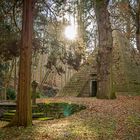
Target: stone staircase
[[7, 116], [77, 82]]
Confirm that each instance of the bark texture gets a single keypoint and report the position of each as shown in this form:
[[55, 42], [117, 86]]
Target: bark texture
[[104, 60], [138, 30], [24, 109], [135, 13]]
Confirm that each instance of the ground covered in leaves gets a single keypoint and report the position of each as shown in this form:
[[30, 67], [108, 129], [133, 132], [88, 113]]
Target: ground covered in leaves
[[117, 119]]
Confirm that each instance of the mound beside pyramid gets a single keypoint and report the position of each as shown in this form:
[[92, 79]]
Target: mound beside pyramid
[[126, 66], [125, 71]]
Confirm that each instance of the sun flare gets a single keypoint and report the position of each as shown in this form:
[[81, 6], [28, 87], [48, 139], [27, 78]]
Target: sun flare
[[70, 32]]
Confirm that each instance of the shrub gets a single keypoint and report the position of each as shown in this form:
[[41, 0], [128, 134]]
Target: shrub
[[11, 94]]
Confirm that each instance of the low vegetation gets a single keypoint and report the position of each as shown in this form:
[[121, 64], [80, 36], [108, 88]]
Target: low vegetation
[[43, 111]]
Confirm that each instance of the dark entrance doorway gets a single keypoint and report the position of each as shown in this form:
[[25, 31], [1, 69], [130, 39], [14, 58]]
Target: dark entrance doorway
[[93, 88]]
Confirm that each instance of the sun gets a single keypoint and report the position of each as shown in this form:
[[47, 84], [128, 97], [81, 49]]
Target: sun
[[70, 32]]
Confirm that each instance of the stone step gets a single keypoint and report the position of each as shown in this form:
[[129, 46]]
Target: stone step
[[44, 118], [10, 114], [38, 115]]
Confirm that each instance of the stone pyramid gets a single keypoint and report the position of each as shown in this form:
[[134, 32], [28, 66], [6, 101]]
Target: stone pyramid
[[125, 71]]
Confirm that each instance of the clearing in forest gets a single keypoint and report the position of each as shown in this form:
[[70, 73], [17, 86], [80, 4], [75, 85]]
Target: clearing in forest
[[117, 119]]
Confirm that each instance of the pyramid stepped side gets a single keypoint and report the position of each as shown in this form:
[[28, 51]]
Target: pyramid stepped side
[[85, 92], [77, 82]]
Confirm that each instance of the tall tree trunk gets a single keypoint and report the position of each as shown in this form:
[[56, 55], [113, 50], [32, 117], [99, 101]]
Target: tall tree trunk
[[136, 18], [24, 109], [138, 25], [104, 59], [128, 29], [15, 74], [138, 30], [81, 26]]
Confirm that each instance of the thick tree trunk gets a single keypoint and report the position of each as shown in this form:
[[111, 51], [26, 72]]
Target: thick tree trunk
[[24, 110], [137, 21], [138, 40], [128, 29], [136, 18], [138, 32], [104, 59], [81, 26]]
